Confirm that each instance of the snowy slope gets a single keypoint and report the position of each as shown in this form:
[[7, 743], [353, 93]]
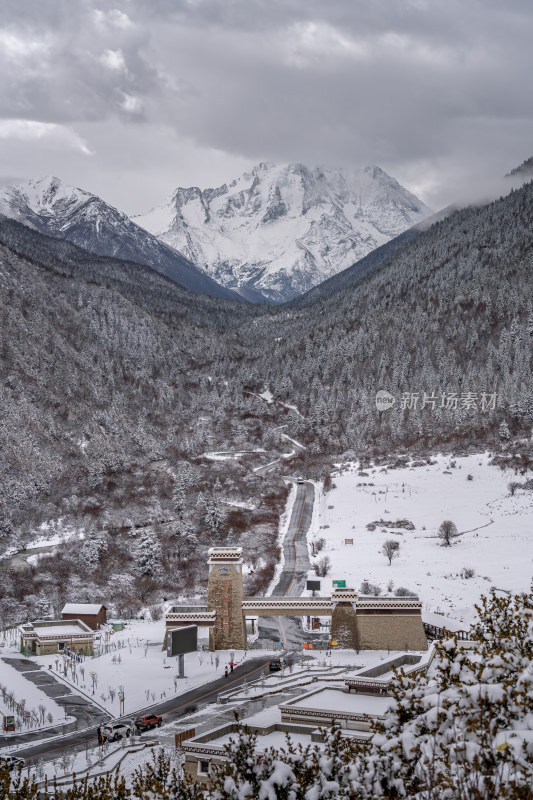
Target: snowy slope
[[282, 229], [495, 527], [65, 212]]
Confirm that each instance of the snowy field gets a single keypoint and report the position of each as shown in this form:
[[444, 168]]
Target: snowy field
[[496, 528]]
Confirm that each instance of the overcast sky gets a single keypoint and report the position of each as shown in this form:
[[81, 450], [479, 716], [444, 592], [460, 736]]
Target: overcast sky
[[132, 98]]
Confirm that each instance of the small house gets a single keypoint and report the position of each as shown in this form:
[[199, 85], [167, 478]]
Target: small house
[[46, 637], [92, 614]]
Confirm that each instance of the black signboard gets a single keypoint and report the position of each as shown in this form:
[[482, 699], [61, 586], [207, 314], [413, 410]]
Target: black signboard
[[182, 640]]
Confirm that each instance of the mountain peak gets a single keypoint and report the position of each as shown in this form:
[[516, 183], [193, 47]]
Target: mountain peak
[[43, 195], [280, 229]]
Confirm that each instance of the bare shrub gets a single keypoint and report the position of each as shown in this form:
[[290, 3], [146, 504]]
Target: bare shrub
[[317, 545], [323, 566], [401, 591], [467, 572], [156, 612], [370, 588]]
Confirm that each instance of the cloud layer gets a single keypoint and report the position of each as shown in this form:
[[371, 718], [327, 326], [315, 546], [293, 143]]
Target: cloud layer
[[132, 98]]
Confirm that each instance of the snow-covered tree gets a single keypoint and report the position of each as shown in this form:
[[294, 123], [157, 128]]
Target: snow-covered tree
[[148, 556], [178, 499], [94, 546], [186, 540], [214, 516], [464, 729]]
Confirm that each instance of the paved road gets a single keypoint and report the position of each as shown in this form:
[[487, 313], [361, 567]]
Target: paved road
[[293, 578], [184, 704]]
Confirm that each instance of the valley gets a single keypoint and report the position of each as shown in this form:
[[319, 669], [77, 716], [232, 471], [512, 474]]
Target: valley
[[266, 400], [147, 427]]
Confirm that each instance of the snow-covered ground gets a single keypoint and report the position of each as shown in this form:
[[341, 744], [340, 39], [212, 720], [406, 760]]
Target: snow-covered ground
[[44, 710], [496, 528], [54, 533], [228, 455], [136, 661], [93, 761]]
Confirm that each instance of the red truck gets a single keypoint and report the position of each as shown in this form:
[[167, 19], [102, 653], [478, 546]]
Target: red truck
[[147, 722]]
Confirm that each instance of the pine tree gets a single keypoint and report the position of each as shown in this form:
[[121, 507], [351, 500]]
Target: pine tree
[[94, 546], [147, 559], [214, 516], [178, 499], [186, 540]]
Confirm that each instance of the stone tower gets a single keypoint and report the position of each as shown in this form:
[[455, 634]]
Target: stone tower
[[225, 595], [344, 619]]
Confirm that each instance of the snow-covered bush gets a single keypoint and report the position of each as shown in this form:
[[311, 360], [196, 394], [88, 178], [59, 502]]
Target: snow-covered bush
[[465, 729]]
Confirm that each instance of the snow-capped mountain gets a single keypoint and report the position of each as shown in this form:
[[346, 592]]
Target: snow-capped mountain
[[279, 230], [65, 212]]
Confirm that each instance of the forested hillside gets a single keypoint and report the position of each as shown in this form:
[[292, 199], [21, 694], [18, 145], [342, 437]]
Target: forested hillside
[[106, 405], [450, 313], [114, 383]]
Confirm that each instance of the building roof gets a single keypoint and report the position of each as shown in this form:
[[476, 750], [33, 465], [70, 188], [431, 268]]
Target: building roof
[[338, 700], [56, 628], [82, 608]]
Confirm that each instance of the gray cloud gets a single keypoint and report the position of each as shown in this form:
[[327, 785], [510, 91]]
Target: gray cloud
[[160, 91]]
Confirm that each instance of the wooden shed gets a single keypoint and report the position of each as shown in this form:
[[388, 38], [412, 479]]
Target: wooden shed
[[92, 614]]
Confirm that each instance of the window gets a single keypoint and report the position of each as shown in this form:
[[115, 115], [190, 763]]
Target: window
[[61, 646], [203, 767]]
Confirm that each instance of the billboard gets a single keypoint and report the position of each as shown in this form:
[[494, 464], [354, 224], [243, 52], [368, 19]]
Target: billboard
[[313, 586], [182, 640]]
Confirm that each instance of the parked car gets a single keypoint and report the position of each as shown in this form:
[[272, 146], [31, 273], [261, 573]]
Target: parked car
[[11, 762], [147, 722], [276, 664], [300, 479], [116, 730]]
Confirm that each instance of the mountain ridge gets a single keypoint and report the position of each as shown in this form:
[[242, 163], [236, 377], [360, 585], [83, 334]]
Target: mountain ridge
[[282, 229], [66, 212]]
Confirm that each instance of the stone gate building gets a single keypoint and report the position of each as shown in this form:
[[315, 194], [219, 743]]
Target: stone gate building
[[358, 621]]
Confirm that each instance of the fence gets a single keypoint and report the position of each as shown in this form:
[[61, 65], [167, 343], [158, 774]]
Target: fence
[[435, 632]]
